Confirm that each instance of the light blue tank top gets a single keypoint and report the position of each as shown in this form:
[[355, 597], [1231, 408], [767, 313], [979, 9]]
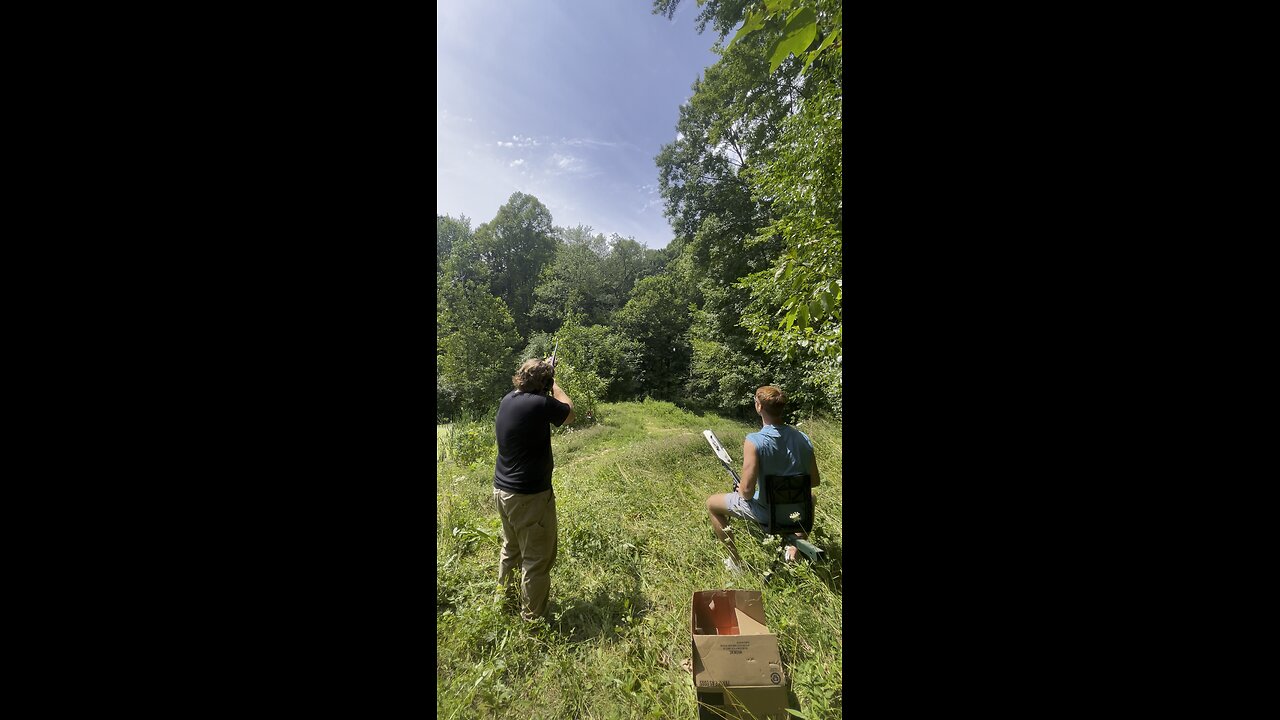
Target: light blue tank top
[[780, 450]]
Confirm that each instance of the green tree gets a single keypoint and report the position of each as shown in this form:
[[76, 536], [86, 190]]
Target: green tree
[[805, 29], [465, 260], [449, 231], [795, 304], [727, 126], [613, 357], [540, 345], [608, 353], [808, 29], [617, 359], [722, 15], [721, 378], [657, 317], [515, 246], [752, 186], [475, 347], [572, 280], [576, 370], [624, 264], [590, 275], [729, 122]]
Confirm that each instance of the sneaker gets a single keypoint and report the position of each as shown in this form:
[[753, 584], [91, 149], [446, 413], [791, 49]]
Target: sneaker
[[732, 566]]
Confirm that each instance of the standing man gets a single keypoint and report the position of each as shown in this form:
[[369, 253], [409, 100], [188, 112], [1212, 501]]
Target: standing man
[[778, 449], [522, 482]]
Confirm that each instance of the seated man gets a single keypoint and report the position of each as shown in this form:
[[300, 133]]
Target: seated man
[[778, 449]]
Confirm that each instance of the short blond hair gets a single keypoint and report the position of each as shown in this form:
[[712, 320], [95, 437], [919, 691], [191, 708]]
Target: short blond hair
[[534, 375], [772, 399]]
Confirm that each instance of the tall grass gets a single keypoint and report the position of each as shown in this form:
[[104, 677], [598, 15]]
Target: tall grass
[[469, 441], [635, 544]]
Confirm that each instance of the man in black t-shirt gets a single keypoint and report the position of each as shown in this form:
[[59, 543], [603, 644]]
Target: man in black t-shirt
[[522, 482]]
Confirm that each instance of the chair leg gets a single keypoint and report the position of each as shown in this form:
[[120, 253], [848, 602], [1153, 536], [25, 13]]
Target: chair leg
[[814, 552]]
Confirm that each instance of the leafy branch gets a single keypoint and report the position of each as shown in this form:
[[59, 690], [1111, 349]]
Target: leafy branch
[[793, 26]]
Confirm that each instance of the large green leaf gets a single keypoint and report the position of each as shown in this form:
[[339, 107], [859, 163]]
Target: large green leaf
[[802, 26], [754, 22], [825, 42]]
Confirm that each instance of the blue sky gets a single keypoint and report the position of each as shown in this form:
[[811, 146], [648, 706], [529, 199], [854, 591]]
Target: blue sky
[[567, 100]]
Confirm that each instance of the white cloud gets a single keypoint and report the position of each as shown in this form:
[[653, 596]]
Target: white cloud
[[517, 163], [588, 142], [444, 116], [592, 143], [656, 202], [518, 141], [567, 163]]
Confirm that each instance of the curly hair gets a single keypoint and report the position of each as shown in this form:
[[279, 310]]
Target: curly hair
[[533, 376]]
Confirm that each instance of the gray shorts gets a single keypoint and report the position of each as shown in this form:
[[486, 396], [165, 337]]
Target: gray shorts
[[740, 507]]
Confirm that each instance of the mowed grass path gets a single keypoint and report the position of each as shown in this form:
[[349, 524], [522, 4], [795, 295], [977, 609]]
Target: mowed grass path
[[634, 545]]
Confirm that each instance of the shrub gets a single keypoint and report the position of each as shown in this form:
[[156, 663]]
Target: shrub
[[470, 441], [585, 388]]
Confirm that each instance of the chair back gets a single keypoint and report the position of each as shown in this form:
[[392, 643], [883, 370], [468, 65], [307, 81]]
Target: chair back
[[784, 495]]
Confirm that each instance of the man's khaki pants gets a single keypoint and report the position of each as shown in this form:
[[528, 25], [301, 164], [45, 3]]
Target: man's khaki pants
[[528, 543]]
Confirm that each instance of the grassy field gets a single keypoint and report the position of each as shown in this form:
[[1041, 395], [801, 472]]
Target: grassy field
[[635, 544]]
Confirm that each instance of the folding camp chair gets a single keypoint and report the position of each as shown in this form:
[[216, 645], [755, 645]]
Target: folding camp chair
[[787, 495]]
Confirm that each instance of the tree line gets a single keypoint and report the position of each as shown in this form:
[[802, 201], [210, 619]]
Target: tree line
[[748, 292]]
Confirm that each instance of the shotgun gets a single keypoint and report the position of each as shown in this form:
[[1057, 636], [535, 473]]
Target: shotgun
[[553, 366]]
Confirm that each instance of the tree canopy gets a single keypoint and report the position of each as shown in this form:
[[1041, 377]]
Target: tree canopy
[[515, 245]]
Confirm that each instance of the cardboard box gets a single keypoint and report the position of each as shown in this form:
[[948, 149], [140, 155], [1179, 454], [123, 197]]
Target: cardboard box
[[737, 669]]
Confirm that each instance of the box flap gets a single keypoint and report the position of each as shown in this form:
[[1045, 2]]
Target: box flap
[[758, 703]]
